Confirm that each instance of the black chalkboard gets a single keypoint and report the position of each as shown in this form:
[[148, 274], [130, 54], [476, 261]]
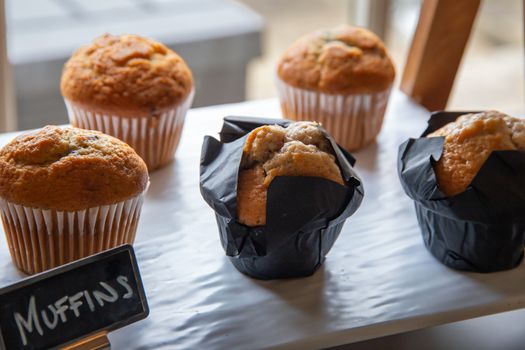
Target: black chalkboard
[[100, 293]]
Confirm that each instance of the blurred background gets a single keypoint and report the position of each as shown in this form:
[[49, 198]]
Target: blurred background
[[232, 46], [491, 75]]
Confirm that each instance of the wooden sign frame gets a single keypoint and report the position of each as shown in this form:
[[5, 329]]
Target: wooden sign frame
[[96, 337]]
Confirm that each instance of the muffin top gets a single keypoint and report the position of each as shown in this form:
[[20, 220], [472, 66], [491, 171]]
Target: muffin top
[[301, 149], [343, 60], [69, 169], [126, 75], [469, 141]]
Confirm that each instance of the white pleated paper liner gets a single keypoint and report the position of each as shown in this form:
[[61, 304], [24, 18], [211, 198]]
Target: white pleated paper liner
[[353, 120], [154, 138], [304, 215], [40, 239], [481, 229]]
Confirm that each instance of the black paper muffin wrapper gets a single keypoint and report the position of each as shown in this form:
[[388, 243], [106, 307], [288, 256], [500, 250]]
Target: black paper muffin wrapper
[[304, 214], [481, 229]]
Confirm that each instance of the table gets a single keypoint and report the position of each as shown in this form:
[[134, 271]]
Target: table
[[377, 280]]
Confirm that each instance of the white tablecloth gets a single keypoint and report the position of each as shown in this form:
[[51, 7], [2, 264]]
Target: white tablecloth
[[378, 279]]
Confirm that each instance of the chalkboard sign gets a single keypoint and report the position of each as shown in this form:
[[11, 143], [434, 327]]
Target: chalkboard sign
[[100, 293]]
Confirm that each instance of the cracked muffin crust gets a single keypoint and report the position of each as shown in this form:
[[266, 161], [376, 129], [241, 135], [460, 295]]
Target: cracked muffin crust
[[271, 150], [469, 141], [69, 169], [343, 60], [126, 75]]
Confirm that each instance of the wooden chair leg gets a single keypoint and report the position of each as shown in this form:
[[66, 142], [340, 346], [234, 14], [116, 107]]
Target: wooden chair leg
[[7, 98], [437, 48]]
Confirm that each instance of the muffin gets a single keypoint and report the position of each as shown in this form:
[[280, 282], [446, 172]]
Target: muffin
[[340, 78], [469, 141], [67, 193], [281, 193], [465, 175], [271, 150], [132, 88]]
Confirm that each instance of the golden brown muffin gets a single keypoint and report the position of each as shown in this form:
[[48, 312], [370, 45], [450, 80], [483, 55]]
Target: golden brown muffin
[[343, 60], [469, 141], [126, 75], [69, 169], [301, 149]]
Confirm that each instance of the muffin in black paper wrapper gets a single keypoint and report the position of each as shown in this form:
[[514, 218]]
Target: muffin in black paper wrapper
[[304, 215], [481, 229]]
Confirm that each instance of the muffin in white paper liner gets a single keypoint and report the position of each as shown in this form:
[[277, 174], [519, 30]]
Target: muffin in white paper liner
[[41, 239], [154, 138], [354, 120]]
